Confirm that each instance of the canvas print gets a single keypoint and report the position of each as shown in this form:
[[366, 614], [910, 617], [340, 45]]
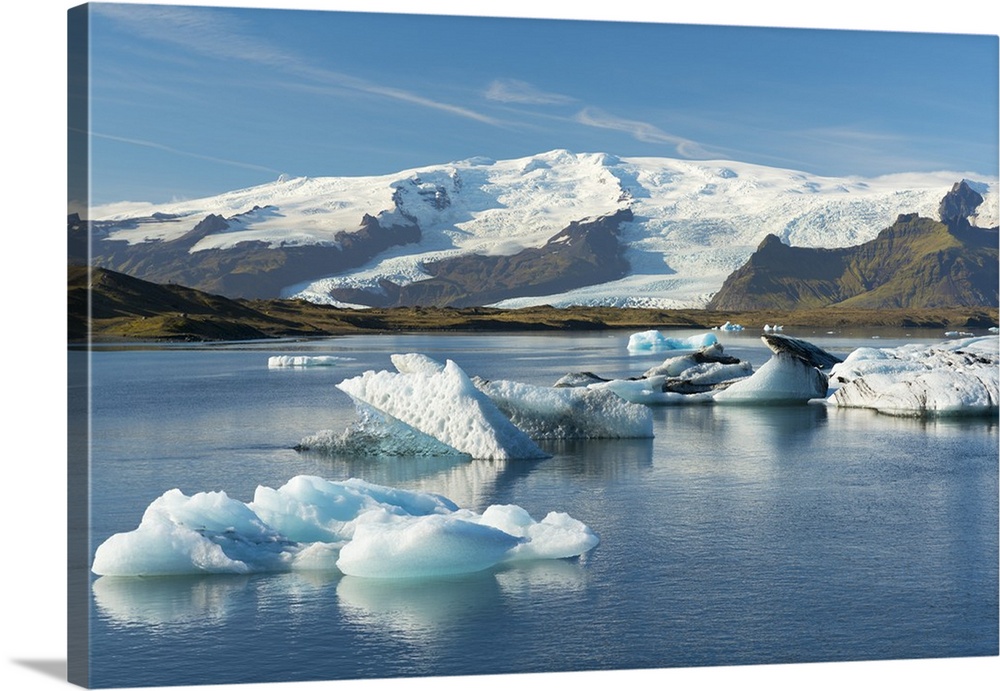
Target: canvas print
[[408, 346]]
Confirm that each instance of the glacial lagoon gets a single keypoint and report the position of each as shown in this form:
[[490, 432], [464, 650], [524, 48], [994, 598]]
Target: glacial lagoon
[[735, 535]]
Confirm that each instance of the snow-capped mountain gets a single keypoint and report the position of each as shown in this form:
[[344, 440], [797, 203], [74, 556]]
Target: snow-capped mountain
[[689, 224]]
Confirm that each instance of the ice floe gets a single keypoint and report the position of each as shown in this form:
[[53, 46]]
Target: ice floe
[[279, 361], [728, 326], [354, 527], [545, 412], [443, 404], [654, 341], [957, 377], [793, 374], [432, 408]]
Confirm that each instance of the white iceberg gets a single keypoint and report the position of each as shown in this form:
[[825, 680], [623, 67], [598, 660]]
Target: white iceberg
[[728, 326], [794, 374], [279, 361], [782, 379], [354, 527], [445, 405], [953, 378], [648, 391], [699, 372], [654, 341], [569, 413]]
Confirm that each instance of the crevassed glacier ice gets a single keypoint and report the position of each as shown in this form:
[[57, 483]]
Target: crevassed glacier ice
[[654, 341], [353, 526], [279, 361], [952, 378], [445, 405]]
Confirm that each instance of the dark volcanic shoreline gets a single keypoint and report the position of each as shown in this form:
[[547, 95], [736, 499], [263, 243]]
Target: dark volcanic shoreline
[[125, 309]]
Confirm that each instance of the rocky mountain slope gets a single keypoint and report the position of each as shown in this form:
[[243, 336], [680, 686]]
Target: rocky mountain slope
[[917, 262]]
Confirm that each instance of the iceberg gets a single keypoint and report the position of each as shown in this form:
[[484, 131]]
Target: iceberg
[[654, 341], [569, 413], [354, 527], [279, 361], [794, 374], [728, 326], [444, 404], [957, 377]]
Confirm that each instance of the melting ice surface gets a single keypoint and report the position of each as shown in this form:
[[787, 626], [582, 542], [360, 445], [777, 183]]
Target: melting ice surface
[[355, 527], [277, 361], [430, 408], [654, 341], [953, 378]]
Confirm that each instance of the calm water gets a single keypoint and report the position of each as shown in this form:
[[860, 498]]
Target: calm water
[[736, 536]]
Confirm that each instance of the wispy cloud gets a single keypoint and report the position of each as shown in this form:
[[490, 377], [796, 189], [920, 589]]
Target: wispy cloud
[[180, 152], [642, 131], [517, 91], [207, 32]]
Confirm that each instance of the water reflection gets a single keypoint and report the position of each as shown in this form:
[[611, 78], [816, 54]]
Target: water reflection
[[180, 600], [417, 611]]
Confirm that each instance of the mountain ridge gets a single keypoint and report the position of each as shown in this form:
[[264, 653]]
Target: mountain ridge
[[693, 223], [915, 262]]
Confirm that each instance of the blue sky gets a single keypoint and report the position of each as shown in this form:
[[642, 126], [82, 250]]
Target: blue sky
[[192, 101]]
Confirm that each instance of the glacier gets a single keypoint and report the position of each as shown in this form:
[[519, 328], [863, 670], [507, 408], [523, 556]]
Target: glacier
[[695, 222], [354, 527], [956, 377]]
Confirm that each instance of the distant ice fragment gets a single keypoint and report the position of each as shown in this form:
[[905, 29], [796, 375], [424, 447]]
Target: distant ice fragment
[[728, 327], [952, 378], [358, 528], [278, 361], [654, 341]]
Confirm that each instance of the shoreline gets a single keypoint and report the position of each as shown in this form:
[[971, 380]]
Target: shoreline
[[284, 319]]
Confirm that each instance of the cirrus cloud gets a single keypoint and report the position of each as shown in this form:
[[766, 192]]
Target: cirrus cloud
[[517, 91], [642, 131]]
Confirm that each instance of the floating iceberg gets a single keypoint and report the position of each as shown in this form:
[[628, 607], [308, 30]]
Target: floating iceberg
[[278, 361], [953, 378], [654, 341], [444, 404], [792, 375], [430, 408], [355, 527], [728, 327], [569, 413]]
